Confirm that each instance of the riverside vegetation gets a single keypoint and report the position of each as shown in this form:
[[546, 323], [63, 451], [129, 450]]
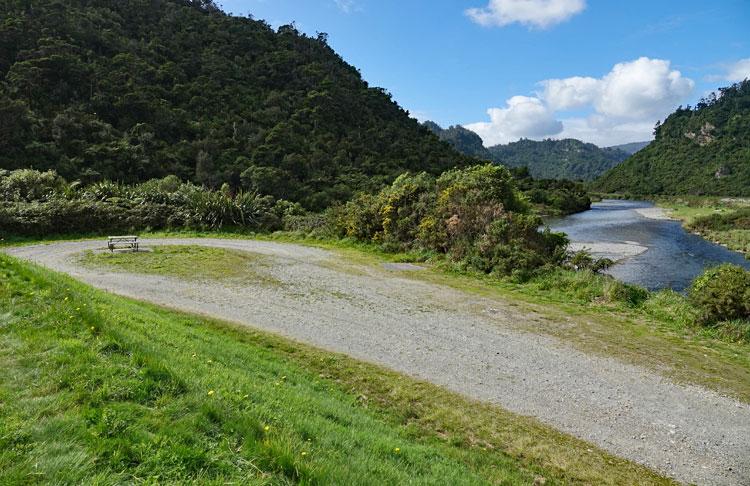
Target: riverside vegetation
[[723, 220], [473, 220]]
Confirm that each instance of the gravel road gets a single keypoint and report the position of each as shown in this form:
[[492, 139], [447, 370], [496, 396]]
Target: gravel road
[[460, 341]]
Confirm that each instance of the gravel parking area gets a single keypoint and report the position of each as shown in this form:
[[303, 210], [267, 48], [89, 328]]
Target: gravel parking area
[[460, 341]]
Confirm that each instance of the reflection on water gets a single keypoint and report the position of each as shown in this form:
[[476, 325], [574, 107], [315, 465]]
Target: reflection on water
[[673, 256]]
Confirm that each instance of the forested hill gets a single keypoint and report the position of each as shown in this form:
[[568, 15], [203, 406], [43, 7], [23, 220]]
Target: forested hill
[[463, 140], [548, 159], [703, 150], [138, 89], [559, 159]]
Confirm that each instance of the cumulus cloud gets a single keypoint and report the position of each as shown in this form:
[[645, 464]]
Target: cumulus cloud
[[641, 89], [637, 89], [624, 104], [575, 92], [532, 13], [523, 116], [736, 71]]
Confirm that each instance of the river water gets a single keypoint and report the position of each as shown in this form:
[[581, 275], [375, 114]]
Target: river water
[[653, 253]]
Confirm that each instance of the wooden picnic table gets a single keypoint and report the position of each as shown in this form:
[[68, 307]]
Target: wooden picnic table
[[122, 242]]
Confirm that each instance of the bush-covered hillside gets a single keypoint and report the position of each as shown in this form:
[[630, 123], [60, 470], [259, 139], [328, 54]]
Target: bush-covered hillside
[[134, 90], [462, 139], [558, 159], [547, 159], [702, 151]]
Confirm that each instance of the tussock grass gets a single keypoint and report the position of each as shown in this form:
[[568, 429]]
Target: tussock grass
[[99, 389]]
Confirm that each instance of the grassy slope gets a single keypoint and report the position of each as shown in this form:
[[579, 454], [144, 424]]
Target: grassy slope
[[100, 389], [688, 209]]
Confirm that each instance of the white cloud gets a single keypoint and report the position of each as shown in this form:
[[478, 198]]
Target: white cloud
[[644, 88], [533, 13], [564, 94], [606, 133], [522, 117], [346, 6], [737, 71], [638, 89], [624, 104]]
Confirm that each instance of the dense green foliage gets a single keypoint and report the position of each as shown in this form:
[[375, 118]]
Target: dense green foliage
[[702, 151], [558, 159], [722, 293], [130, 91], [553, 197], [738, 219], [475, 216], [35, 203], [547, 159], [462, 139]]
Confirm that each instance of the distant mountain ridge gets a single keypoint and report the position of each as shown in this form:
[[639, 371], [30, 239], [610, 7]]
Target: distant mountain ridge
[[701, 151], [632, 147], [547, 159]]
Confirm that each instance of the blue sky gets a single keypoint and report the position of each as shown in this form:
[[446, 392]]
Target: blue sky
[[616, 66]]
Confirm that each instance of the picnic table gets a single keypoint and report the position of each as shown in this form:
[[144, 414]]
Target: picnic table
[[122, 242]]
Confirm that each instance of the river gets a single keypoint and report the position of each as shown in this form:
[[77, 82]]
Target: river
[[651, 252]]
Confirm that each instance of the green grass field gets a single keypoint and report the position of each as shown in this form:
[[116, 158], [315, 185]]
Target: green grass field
[[98, 389]]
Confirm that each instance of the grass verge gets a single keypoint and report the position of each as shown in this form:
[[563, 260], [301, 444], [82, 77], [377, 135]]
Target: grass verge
[[101, 389], [186, 262]]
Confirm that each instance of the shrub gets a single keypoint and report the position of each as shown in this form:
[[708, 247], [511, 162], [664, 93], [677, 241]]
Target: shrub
[[359, 218], [722, 293], [29, 185], [583, 260], [475, 215], [403, 206]]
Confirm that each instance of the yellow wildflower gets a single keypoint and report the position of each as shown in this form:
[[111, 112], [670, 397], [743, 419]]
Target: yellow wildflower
[[210, 392]]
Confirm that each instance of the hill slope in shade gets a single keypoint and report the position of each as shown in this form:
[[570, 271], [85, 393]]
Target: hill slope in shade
[[145, 88], [546, 159], [701, 150]]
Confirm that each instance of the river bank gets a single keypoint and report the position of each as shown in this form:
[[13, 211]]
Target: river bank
[[650, 247], [722, 221]]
